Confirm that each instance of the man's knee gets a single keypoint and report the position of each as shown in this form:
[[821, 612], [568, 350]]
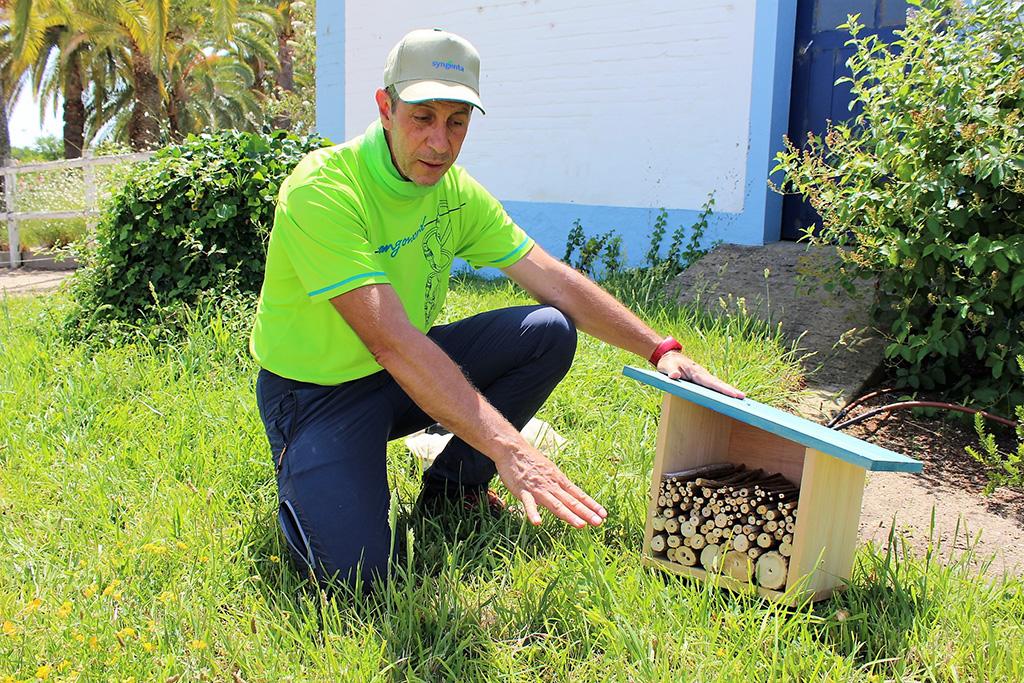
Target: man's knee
[[351, 554], [558, 333]]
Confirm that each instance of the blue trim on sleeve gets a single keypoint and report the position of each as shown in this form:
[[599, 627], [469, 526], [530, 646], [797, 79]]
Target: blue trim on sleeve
[[513, 252], [346, 281]]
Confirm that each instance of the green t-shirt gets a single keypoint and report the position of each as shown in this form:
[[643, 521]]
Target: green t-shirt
[[345, 218]]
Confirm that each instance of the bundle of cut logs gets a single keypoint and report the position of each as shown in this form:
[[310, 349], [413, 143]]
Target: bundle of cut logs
[[729, 519]]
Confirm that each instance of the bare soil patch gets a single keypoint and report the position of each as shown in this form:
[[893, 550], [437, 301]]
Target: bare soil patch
[[951, 484]]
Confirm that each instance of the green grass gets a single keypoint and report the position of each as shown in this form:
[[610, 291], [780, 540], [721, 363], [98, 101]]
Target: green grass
[[138, 541]]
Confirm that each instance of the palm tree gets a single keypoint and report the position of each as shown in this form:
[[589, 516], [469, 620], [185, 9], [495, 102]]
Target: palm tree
[[209, 73], [285, 57], [43, 42], [144, 70], [210, 91]]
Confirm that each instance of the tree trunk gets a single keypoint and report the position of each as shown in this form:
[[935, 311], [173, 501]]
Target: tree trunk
[[5, 131], [177, 98], [286, 72], [5, 150], [74, 111], [144, 123]]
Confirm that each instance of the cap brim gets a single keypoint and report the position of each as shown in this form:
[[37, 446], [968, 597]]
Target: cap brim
[[422, 91]]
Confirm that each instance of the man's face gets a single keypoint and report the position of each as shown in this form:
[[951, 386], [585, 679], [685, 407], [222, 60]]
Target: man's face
[[425, 138]]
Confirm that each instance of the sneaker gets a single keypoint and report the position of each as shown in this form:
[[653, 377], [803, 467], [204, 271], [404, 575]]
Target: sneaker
[[487, 499], [436, 499]]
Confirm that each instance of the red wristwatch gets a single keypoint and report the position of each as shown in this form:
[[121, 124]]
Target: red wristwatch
[[668, 344]]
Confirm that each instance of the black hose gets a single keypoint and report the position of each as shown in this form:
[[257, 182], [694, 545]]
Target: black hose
[[916, 404]]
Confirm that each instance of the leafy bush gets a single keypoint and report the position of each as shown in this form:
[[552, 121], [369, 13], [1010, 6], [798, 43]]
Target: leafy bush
[[194, 219], [926, 189]]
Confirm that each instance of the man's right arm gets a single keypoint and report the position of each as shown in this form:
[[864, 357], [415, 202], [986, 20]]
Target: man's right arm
[[437, 385]]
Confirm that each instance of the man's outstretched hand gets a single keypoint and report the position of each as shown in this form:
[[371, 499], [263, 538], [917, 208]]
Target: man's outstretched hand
[[536, 481], [678, 366]]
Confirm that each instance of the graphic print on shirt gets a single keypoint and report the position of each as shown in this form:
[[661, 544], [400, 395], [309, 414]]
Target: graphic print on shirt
[[438, 253]]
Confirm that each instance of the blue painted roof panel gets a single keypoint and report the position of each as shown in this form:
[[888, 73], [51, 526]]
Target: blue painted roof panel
[[775, 421]]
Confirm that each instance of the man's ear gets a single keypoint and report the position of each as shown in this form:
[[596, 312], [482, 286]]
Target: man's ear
[[384, 107]]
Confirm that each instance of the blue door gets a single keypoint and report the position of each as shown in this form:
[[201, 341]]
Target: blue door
[[819, 60]]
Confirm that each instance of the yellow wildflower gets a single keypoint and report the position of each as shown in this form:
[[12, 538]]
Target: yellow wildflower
[[148, 646], [155, 548], [65, 609], [94, 643], [126, 632], [166, 597], [78, 636], [9, 628], [8, 679], [182, 546], [90, 590], [109, 590], [275, 559], [63, 666], [33, 605], [43, 672], [198, 644]]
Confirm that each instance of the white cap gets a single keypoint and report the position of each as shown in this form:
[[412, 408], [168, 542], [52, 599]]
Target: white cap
[[434, 65]]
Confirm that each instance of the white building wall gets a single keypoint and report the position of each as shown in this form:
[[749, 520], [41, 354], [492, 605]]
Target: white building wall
[[635, 104]]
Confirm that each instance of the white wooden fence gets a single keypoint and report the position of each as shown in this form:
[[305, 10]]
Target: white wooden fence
[[86, 163]]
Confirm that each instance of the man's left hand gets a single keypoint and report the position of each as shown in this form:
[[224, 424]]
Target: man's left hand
[[678, 366]]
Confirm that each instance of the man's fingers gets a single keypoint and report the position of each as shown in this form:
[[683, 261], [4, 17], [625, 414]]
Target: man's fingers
[[712, 382], [559, 509], [580, 495], [578, 507], [530, 506]]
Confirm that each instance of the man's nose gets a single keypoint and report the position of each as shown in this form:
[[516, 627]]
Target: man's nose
[[437, 139]]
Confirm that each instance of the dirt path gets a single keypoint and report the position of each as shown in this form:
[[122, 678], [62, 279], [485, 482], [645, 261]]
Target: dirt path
[[992, 527], [24, 281]]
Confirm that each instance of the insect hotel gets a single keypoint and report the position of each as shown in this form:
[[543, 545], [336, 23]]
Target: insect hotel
[[763, 499]]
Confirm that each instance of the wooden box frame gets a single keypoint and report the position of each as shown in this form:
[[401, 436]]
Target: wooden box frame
[[699, 426]]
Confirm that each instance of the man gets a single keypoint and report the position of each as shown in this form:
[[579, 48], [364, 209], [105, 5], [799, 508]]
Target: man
[[357, 272]]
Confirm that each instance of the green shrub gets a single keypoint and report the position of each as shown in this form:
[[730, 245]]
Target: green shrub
[[193, 219], [925, 188], [1003, 468]]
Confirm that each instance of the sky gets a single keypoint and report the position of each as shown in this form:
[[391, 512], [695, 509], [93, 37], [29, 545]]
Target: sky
[[24, 121]]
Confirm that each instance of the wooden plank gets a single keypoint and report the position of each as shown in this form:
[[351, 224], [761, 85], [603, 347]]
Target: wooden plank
[[757, 448], [688, 436], [736, 586], [65, 164], [13, 238], [49, 215], [828, 515], [91, 201], [772, 420], [723, 580]]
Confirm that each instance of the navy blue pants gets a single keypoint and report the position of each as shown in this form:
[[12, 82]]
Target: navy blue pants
[[328, 442]]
